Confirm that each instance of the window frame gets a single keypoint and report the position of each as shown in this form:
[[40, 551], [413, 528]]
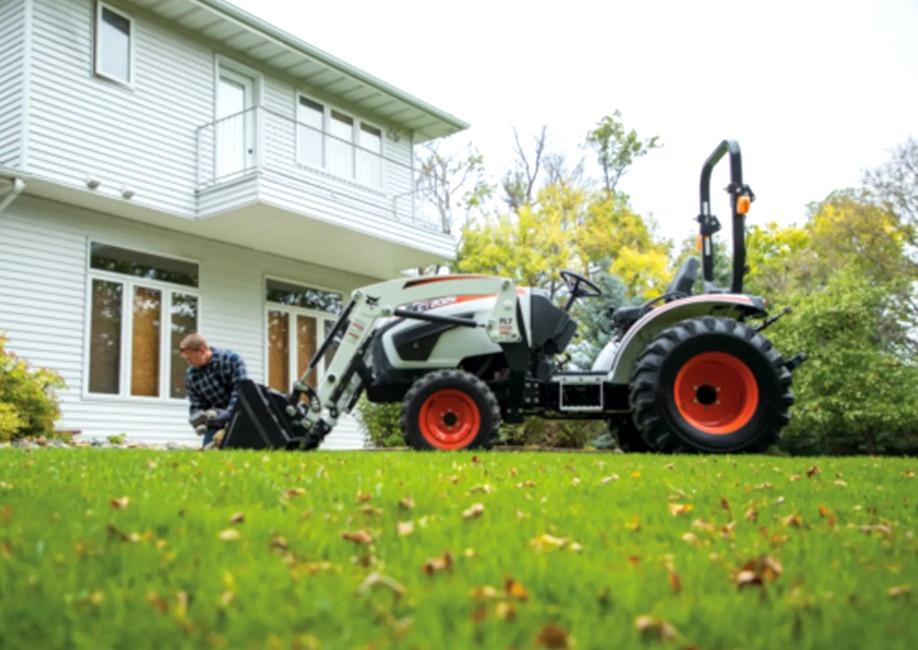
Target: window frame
[[128, 283], [97, 45], [293, 311], [354, 142]]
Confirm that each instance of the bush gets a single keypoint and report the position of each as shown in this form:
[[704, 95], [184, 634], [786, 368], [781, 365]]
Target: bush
[[853, 394], [557, 434], [28, 404], [380, 422]]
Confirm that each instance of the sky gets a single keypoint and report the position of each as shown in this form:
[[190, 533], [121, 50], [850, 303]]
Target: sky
[[814, 91]]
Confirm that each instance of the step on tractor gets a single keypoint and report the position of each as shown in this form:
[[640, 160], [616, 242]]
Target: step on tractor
[[465, 353]]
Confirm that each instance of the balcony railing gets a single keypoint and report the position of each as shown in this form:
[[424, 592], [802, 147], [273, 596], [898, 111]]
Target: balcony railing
[[260, 139]]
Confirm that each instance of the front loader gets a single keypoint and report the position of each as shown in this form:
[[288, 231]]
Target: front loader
[[464, 353]]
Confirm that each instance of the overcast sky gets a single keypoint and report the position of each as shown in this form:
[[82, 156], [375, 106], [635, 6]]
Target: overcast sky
[[814, 91]]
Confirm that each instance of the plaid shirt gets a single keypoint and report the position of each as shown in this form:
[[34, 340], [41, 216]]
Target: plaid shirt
[[214, 385]]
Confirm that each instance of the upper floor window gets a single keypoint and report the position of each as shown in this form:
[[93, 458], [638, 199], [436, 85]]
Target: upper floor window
[[141, 307], [114, 44], [335, 141]]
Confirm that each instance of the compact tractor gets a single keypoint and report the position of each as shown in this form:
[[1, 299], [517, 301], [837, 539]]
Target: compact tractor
[[465, 353]]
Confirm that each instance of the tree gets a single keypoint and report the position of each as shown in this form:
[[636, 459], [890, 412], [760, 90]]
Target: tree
[[520, 182], [616, 148], [448, 182]]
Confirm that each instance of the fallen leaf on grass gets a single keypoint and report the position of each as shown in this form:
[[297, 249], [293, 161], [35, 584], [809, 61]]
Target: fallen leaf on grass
[[792, 521], [377, 580], [294, 492], [470, 553], [546, 542], [371, 511], [358, 537], [505, 611], [363, 497], [635, 474], [828, 515], [237, 518], [608, 479], [160, 603], [485, 592], [555, 637], [812, 471], [898, 591], [278, 543], [654, 629], [515, 590], [676, 509], [406, 504], [437, 564], [120, 503], [229, 535], [752, 515], [758, 571], [487, 488], [405, 528], [476, 510]]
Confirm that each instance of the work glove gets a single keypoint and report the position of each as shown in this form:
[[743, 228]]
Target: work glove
[[198, 421], [219, 418]]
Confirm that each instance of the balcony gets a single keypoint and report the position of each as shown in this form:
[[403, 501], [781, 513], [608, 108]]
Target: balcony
[[269, 182]]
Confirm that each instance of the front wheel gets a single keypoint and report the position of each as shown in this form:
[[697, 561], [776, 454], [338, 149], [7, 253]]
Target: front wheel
[[710, 384], [448, 410]]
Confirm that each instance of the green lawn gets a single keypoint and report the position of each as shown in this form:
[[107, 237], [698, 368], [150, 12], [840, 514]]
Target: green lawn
[[139, 548]]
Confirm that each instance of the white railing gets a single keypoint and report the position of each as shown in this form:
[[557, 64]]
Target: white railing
[[259, 139]]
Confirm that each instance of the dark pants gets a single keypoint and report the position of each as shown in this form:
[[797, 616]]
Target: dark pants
[[209, 436]]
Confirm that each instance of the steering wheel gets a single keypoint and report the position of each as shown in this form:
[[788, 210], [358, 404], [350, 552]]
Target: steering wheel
[[579, 286]]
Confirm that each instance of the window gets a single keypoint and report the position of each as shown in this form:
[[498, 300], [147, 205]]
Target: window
[[140, 310], [347, 147], [295, 315], [309, 116], [114, 45]]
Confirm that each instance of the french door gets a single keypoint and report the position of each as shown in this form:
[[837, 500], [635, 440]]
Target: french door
[[234, 132], [294, 335]]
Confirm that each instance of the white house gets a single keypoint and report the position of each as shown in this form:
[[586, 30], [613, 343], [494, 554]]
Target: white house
[[178, 165]]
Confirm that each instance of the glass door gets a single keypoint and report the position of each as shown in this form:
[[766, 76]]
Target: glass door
[[234, 133]]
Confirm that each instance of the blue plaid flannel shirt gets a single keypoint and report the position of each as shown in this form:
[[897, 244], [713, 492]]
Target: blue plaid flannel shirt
[[214, 385]]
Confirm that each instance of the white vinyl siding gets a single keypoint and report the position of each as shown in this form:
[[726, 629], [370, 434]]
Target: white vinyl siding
[[43, 261], [12, 80]]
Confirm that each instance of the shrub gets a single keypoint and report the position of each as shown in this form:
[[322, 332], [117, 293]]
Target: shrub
[[558, 434], [28, 404], [380, 422]]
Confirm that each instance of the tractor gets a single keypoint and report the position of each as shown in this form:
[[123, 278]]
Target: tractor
[[463, 354]]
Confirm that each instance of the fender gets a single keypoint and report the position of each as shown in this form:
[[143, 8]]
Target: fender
[[619, 356]]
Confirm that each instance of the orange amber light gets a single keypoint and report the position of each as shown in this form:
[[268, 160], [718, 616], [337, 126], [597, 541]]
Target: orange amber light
[[743, 203]]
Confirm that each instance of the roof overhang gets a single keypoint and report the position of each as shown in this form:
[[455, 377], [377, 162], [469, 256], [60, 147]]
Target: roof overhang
[[258, 40]]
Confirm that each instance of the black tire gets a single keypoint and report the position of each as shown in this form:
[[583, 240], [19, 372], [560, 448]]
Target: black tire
[[710, 384], [628, 437], [449, 410]]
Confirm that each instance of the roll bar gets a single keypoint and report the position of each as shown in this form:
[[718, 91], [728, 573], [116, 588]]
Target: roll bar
[[740, 198]]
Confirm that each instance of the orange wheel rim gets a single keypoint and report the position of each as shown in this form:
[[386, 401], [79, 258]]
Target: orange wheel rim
[[716, 392], [449, 419]]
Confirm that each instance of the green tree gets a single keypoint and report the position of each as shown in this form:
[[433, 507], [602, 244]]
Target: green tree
[[617, 148]]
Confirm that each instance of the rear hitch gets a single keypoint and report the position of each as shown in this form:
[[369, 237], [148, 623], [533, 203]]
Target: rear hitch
[[792, 363]]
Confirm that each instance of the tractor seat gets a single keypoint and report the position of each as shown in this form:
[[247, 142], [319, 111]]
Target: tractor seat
[[681, 286]]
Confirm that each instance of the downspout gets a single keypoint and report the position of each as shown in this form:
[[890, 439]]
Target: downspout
[[10, 196]]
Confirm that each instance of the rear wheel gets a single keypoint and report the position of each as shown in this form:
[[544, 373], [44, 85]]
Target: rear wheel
[[710, 384], [450, 409]]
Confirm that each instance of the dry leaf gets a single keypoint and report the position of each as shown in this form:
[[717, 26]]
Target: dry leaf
[[358, 537], [655, 629], [406, 504], [725, 503], [758, 571], [676, 509], [158, 602], [554, 636], [792, 521], [485, 592], [371, 511], [675, 582], [120, 503], [546, 542], [405, 528], [435, 564], [470, 553], [476, 510], [294, 492], [575, 481], [279, 543], [363, 497], [840, 483], [237, 518], [635, 474], [487, 488], [505, 611], [376, 580], [828, 515], [811, 472], [608, 479], [515, 590], [690, 537], [229, 535], [898, 591], [752, 515]]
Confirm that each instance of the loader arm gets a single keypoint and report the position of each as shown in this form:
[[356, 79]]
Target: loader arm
[[341, 385]]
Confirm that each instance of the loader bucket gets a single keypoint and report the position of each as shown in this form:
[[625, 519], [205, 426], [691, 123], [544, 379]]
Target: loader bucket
[[260, 420]]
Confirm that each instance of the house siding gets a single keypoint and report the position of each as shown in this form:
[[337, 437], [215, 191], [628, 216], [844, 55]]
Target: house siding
[[145, 138], [44, 313], [12, 80]]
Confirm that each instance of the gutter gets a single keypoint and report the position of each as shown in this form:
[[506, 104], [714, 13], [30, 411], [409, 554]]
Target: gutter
[[10, 196]]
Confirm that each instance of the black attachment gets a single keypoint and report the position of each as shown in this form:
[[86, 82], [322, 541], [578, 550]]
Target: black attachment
[[300, 387], [708, 223], [260, 420], [771, 321], [792, 363]]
